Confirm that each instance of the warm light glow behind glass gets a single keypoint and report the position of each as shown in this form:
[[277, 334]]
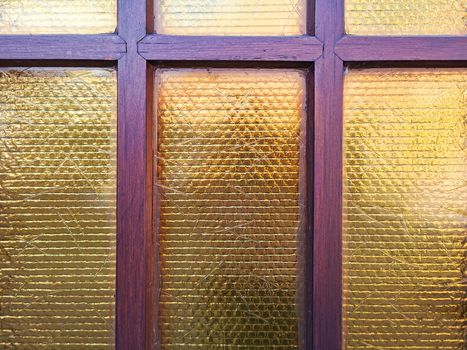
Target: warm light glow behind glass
[[58, 16], [406, 17], [405, 218], [57, 208], [230, 17], [228, 165]]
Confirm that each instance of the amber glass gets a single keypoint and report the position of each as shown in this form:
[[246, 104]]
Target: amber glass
[[227, 17], [406, 17], [228, 197], [58, 16], [405, 216], [57, 208]]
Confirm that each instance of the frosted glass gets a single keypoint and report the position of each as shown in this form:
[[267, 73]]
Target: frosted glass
[[405, 201], [58, 16], [228, 163], [57, 208], [233, 17], [406, 17]]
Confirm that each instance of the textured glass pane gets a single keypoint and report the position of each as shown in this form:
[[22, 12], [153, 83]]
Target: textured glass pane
[[57, 16], [406, 17], [230, 17], [230, 216], [405, 219], [57, 208]]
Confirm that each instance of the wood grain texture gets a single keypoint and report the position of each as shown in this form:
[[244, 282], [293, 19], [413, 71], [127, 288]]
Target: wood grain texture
[[421, 48], [179, 48], [327, 256], [61, 47], [327, 219], [134, 182]]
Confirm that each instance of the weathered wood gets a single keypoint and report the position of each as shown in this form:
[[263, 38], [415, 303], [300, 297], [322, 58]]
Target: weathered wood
[[134, 212], [421, 48], [327, 219], [212, 48], [61, 47]]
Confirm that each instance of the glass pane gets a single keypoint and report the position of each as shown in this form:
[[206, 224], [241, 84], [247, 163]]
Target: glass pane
[[57, 208], [58, 16], [406, 17], [230, 17], [228, 164], [405, 201]]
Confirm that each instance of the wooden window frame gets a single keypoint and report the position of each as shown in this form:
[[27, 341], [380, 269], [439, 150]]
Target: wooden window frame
[[135, 51]]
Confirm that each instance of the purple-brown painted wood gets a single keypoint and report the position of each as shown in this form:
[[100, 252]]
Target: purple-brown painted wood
[[327, 255], [134, 213], [309, 163], [61, 47], [310, 17], [152, 258], [421, 48], [327, 219], [223, 48]]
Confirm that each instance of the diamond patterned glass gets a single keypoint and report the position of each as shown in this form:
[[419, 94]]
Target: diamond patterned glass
[[405, 222], [58, 16], [230, 17], [57, 208], [406, 17], [229, 154]]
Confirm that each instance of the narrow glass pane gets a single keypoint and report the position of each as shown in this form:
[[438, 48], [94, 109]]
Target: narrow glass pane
[[57, 208], [58, 16], [405, 201], [228, 164], [406, 17], [230, 17]]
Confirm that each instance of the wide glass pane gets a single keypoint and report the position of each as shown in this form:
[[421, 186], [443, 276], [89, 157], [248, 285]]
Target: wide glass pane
[[406, 17], [58, 16], [57, 208], [229, 155], [230, 17], [405, 216]]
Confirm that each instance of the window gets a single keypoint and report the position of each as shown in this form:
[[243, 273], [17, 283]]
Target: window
[[245, 175]]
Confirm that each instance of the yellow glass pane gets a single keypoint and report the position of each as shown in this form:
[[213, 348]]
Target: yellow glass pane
[[405, 212], [406, 17], [57, 208], [58, 16], [228, 163], [230, 17]]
